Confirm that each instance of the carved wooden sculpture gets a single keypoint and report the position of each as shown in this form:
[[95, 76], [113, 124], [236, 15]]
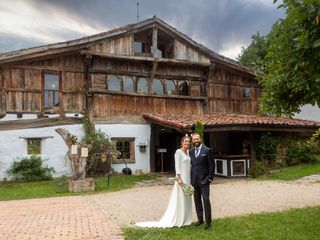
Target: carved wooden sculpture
[[78, 163]]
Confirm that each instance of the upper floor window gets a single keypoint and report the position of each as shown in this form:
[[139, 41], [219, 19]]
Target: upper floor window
[[157, 87], [51, 90], [139, 47], [246, 92], [171, 87], [114, 83], [34, 145], [183, 88], [128, 84], [142, 86]]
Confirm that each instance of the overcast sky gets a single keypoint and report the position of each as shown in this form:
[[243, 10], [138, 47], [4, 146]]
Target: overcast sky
[[224, 26]]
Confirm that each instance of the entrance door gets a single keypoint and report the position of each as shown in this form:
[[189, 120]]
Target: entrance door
[[167, 141]]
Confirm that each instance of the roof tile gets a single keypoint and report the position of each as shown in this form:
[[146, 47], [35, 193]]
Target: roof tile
[[188, 121]]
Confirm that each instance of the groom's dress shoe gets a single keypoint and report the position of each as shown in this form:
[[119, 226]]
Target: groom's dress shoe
[[208, 225], [198, 223]]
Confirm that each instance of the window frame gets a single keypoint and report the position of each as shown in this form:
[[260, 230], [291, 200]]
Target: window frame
[[246, 93], [180, 82], [174, 92], [131, 141], [124, 79], [53, 109], [119, 80], [138, 80], [162, 85], [29, 146]]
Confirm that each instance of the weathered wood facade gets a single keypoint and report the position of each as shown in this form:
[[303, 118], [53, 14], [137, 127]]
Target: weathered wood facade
[[120, 73], [117, 76]]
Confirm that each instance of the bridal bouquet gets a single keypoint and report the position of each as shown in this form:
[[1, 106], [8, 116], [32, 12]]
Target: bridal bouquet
[[186, 188]]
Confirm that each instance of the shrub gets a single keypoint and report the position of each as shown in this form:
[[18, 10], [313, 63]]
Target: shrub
[[257, 169], [30, 169], [99, 144], [199, 128], [267, 147], [300, 152]]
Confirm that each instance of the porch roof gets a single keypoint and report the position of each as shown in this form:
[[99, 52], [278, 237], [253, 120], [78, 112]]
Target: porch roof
[[233, 122]]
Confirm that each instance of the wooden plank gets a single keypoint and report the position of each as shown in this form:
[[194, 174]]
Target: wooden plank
[[32, 79], [37, 123], [153, 71], [154, 41], [105, 91], [50, 68], [182, 61], [34, 90], [109, 105]]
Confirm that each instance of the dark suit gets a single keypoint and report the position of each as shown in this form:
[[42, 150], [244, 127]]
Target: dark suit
[[202, 172]]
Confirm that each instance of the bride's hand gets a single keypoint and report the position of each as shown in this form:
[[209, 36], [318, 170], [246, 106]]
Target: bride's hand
[[180, 181]]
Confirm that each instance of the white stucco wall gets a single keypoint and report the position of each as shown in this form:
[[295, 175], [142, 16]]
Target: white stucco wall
[[142, 160], [13, 145]]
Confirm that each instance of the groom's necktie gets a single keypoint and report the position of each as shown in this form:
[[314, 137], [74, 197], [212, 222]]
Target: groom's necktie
[[197, 152]]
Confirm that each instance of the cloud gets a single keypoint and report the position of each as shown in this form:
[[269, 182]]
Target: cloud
[[223, 26], [41, 23]]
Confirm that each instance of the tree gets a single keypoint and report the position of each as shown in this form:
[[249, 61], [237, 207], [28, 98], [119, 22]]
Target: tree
[[255, 52], [291, 66]]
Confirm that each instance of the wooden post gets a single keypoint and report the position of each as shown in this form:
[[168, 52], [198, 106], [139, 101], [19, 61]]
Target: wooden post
[[87, 86], [154, 41], [253, 148], [162, 162]]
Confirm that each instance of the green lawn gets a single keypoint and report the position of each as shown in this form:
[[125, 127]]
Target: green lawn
[[294, 172], [59, 187], [295, 224]]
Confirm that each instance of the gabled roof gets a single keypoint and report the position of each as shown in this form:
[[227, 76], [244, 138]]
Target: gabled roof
[[233, 122], [81, 43]]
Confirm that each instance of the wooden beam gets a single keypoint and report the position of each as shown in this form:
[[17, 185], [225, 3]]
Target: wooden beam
[[204, 85], [170, 61], [50, 68], [146, 75], [253, 147], [44, 53], [87, 85], [32, 90], [154, 41], [36, 123], [153, 71], [103, 91]]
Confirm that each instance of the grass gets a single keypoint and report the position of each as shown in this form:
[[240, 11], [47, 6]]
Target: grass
[[294, 172], [59, 187], [295, 224]]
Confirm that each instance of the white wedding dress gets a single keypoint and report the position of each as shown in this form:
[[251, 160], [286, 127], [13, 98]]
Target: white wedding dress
[[179, 210]]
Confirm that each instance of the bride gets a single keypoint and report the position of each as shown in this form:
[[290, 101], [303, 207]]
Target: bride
[[179, 210]]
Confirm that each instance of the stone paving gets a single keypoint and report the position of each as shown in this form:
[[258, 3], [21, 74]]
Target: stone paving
[[88, 217], [311, 179], [69, 218]]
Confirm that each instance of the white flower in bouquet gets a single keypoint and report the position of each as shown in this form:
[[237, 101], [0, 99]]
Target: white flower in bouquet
[[186, 188]]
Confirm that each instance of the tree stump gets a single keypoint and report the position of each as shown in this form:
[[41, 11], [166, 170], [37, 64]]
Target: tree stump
[[78, 162]]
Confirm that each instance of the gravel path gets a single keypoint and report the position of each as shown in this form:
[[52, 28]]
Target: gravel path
[[228, 197]]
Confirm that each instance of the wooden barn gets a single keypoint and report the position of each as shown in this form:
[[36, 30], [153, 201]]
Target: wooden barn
[[145, 85]]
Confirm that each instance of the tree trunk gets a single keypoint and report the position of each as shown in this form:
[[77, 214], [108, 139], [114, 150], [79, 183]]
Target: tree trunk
[[78, 163]]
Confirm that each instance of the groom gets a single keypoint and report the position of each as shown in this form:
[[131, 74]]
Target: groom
[[202, 170]]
